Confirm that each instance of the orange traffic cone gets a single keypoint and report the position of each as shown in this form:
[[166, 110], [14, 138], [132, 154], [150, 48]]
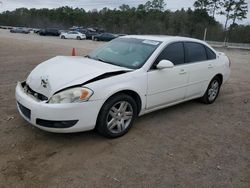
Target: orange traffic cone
[[73, 52]]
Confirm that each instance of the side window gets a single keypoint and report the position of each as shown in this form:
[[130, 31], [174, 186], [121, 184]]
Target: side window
[[195, 52], [210, 54], [173, 52]]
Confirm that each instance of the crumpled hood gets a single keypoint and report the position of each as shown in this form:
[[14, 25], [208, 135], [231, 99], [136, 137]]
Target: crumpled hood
[[65, 71]]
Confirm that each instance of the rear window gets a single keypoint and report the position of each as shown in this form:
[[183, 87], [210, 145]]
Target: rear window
[[210, 54], [195, 52]]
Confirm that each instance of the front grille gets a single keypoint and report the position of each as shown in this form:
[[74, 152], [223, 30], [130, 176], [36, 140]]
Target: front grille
[[38, 96], [25, 111]]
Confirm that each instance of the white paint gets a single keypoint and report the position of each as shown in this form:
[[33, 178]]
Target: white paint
[[73, 35], [156, 88]]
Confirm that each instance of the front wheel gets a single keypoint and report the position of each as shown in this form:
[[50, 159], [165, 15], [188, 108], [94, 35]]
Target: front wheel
[[62, 37], [78, 38], [212, 91], [117, 116]]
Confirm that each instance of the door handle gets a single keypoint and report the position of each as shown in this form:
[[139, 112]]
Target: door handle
[[210, 66], [182, 71]]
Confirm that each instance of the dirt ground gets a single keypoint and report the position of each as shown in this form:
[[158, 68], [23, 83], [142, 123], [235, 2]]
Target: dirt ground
[[188, 145]]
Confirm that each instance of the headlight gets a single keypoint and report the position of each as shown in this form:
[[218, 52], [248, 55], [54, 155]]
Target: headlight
[[74, 95]]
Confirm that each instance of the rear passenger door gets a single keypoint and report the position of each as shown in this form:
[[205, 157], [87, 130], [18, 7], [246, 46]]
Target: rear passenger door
[[200, 64]]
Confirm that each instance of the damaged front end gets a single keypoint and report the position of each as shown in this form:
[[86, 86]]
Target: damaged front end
[[37, 96], [70, 94]]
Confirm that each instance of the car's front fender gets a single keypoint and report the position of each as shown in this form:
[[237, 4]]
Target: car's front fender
[[133, 81]]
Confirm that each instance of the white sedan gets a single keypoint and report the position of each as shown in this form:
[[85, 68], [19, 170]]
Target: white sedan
[[127, 77], [73, 35]]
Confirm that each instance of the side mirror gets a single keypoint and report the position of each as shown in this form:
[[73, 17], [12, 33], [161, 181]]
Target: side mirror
[[163, 64]]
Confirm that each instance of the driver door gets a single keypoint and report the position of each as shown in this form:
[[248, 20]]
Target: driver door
[[169, 85]]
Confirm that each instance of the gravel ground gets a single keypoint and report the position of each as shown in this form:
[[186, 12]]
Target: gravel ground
[[188, 145]]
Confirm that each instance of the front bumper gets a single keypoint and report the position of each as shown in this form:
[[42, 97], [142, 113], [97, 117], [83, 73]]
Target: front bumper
[[60, 118]]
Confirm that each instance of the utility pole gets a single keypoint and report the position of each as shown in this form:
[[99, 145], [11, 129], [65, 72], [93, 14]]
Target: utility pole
[[205, 34]]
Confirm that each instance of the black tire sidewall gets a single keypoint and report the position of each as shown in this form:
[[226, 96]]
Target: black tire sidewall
[[206, 97], [101, 125]]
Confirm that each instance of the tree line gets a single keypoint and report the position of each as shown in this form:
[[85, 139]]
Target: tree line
[[233, 10], [153, 17]]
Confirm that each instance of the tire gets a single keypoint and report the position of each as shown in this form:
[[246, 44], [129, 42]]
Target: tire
[[112, 121], [63, 37], [78, 38], [212, 91]]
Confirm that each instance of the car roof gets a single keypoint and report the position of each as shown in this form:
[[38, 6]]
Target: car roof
[[163, 38]]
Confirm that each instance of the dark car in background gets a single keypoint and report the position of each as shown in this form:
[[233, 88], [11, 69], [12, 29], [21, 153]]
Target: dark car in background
[[36, 30], [88, 31], [90, 34], [104, 37], [49, 32], [19, 30]]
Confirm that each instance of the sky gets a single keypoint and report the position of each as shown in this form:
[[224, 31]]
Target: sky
[[99, 4]]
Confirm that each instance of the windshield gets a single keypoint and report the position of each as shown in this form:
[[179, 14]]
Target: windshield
[[125, 52]]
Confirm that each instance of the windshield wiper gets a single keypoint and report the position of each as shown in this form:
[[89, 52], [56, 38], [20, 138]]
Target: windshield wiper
[[102, 60], [105, 61], [98, 59]]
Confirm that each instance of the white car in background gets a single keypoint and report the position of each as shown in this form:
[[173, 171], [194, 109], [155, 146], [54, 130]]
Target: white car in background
[[127, 77], [73, 35]]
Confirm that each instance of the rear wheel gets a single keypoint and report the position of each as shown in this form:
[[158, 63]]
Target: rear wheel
[[63, 37], [212, 91], [117, 116]]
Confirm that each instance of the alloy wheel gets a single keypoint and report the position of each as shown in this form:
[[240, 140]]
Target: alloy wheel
[[213, 90], [119, 117]]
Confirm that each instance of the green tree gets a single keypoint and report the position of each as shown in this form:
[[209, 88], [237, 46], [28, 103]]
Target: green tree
[[158, 5], [148, 18], [202, 4], [155, 5], [233, 10], [124, 7], [215, 5], [211, 6], [239, 12], [228, 8], [141, 7]]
